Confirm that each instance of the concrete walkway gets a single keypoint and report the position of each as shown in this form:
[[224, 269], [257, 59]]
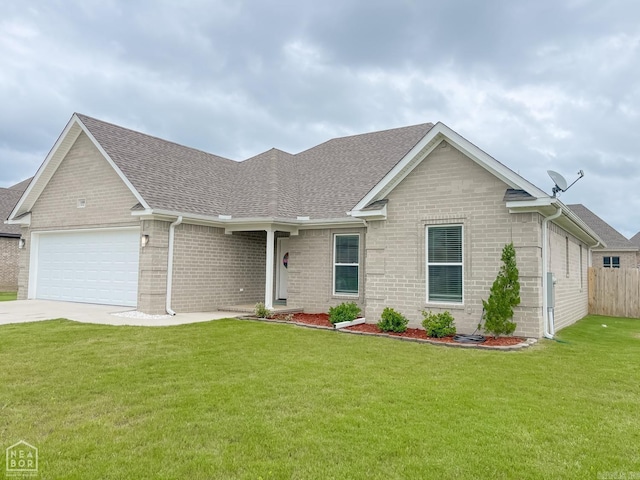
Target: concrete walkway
[[20, 311]]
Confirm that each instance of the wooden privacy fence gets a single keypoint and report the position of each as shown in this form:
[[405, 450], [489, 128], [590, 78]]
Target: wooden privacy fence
[[614, 292]]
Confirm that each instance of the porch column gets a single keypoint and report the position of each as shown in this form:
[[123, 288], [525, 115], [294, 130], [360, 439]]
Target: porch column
[[268, 289]]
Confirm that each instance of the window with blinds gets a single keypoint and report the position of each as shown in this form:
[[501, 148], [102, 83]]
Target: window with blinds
[[346, 264], [444, 263]]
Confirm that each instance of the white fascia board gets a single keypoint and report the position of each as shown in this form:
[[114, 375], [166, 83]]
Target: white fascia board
[[23, 205], [617, 249], [433, 137], [246, 224], [576, 220], [112, 163], [71, 132], [485, 160], [399, 172], [23, 220], [575, 223], [377, 214], [140, 213], [530, 205], [249, 227], [583, 233]]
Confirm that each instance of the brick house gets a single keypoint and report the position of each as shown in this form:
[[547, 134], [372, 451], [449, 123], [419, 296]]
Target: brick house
[[9, 237], [619, 252], [412, 218], [635, 240]]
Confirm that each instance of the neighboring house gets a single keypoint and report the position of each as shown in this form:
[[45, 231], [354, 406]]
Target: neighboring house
[[9, 237], [618, 253], [636, 241], [412, 218]]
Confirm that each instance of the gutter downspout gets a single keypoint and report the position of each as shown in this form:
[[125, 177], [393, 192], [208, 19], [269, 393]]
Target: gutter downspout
[[172, 229], [268, 284], [548, 333]]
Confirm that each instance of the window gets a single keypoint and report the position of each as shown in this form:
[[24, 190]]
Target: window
[[611, 262], [444, 264], [346, 267], [581, 269], [566, 255]]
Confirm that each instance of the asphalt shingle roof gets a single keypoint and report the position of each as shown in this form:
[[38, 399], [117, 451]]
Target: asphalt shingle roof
[[167, 175], [8, 199], [334, 176], [613, 238], [325, 181], [22, 186], [636, 240]]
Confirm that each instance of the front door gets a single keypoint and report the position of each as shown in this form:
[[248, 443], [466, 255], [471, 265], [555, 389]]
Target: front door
[[282, 268]]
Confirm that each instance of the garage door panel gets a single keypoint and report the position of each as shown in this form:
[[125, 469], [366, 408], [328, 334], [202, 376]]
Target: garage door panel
[[91, 267]]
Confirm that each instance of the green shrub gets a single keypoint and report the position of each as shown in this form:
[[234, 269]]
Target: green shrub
[[438, 325], [345, 312], [505, 294], [261, 311], [392, 321]]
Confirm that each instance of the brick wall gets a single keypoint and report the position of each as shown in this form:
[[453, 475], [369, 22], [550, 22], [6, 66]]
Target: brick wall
[[212, 269], [627, 259], [24, 255], [152, 277], [570, 268], [311, 270], [8, 264], [84, 174], [449, 188]]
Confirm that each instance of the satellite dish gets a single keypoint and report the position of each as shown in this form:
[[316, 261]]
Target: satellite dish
[[560, 182]]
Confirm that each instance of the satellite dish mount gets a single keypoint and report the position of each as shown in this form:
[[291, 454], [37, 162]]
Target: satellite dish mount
[[561, 183]]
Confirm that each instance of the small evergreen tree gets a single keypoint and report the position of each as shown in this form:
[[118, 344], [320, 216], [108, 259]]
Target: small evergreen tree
[[505, 294]]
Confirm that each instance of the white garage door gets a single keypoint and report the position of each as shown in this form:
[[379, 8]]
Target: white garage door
[[91, 267]]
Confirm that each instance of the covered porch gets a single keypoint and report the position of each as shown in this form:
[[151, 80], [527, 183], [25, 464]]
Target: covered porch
[[275, 268]]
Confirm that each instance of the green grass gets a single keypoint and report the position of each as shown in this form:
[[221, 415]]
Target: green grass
[[6, 296], [240, 399]]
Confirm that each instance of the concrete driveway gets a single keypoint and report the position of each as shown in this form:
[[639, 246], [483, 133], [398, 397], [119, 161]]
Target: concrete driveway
[[20, 311]]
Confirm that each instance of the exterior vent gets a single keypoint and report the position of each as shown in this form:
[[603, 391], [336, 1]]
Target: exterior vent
[[82, 203]]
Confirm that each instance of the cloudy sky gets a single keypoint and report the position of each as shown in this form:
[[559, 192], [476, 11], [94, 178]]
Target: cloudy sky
[[537, 84]]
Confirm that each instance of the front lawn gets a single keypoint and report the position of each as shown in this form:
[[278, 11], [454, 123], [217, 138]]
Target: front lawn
[[6, 296], [241, 399]]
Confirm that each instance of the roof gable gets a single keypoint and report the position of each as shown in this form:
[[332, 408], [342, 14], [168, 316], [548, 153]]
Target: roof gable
[[636, 240], [440, 132], [339, 173], [54, 158], [323, 182], [168, 176], [265, 185]]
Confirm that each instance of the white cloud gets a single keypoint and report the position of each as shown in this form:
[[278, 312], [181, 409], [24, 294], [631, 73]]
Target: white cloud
[[535, 90]]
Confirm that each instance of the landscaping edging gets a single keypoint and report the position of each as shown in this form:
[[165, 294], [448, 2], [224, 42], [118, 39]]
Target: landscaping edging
[[357, 321], [527, 343]]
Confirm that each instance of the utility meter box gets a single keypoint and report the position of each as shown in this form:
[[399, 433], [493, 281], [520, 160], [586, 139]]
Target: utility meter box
[[551, 289]]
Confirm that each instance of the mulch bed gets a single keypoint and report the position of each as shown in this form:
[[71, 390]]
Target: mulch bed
[[317, 319], [322, 320]]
